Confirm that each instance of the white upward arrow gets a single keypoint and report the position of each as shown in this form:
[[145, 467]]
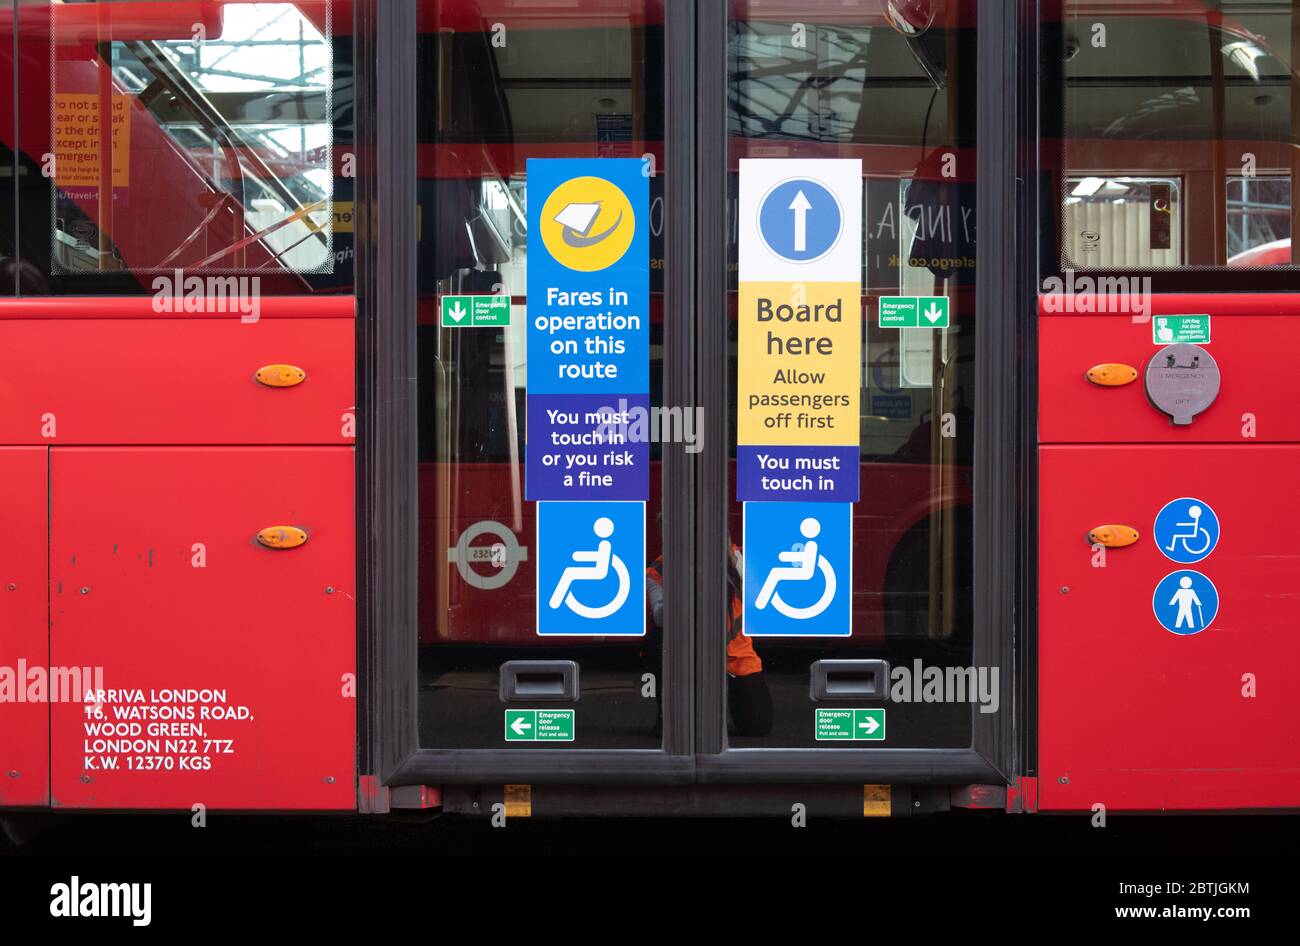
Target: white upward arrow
[[456, 312], [870, 725], [519, 725], [800, 206], [933, 313]]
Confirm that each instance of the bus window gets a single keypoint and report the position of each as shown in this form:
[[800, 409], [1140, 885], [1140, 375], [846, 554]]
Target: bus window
[[220, 153], [1259, 220], [1177, 134], [1123, 222]]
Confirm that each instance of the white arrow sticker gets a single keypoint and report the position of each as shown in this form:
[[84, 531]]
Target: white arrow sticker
[[933, 313], [456, 312], [800, 206], [519, 726], [870, 725]]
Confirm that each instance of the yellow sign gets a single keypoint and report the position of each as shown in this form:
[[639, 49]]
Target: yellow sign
[[587, 224], [76, 140], [343, 214], [344, 217], [799, 344], [799, 330]]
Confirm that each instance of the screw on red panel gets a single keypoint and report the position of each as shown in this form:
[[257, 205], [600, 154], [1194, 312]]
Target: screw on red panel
[[85, 589], [1065, 589], [12, 586], [1064, 780], [329, 780], [13, 773], [87, 779]]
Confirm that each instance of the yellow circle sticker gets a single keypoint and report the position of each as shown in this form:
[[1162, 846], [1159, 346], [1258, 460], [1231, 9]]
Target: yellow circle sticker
[[587, 224]]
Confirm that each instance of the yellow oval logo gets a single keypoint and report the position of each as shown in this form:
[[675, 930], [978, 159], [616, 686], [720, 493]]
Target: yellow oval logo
[[587, 224]]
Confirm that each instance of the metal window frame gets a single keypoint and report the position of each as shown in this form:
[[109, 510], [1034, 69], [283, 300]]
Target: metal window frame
[[386, 300], [695, 271], [1031, 51], [994, 749]]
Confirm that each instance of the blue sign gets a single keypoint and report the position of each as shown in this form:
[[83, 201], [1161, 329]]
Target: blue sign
[[892, 406], [1186, 530], [588, 276], [588, 326], [591, 569], [1185, 602], [798, 569], [800, 220]]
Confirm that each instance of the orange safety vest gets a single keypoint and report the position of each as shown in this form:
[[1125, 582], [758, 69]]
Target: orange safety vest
[[741, 657]]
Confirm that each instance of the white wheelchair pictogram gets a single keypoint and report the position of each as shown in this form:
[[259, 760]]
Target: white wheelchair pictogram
[[1198, 532], [601, 560], [806, 560]]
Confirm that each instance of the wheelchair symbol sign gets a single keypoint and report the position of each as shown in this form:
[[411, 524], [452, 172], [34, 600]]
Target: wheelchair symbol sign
[[798, 569], [1186, 530], [591, 569]]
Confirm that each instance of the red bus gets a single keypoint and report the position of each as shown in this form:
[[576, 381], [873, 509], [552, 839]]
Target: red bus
[[268, 506]]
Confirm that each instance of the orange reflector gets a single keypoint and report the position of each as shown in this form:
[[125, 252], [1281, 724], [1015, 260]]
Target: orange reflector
[[1113, 537], [280, 376], [1112, 375], [876, 801], [282, 537], [519, 801]]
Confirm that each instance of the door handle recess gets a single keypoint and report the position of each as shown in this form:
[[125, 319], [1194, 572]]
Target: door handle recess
[[849, 680], [544, 680]]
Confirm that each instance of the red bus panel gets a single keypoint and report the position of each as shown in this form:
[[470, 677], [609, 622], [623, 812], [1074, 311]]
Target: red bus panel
[[1247, 339], [228, 665], [128, 381], [24, 633], [1134, 716]]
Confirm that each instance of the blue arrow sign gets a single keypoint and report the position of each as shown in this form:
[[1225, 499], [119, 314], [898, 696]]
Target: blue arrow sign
[[800, 220]]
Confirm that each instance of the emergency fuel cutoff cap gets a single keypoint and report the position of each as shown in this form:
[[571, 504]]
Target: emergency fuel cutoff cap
[[1182, 381]]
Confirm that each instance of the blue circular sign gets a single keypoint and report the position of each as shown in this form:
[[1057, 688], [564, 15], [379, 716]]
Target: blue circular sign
[[1185, 602], [1186, 530], [800, 220]]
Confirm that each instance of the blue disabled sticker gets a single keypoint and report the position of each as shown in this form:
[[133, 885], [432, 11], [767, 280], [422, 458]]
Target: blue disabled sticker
[[591, 569], [1186, 530], [1185, 602], [800, 220], [798, 569]]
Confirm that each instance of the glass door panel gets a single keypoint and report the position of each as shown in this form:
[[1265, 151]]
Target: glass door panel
[[851, 157]]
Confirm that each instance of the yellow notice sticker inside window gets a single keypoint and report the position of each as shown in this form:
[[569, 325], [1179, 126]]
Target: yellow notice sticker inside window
[[77, 145]]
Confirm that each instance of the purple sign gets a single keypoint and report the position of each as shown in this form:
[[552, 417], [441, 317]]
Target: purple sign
[[803, 473], [588, 446]]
